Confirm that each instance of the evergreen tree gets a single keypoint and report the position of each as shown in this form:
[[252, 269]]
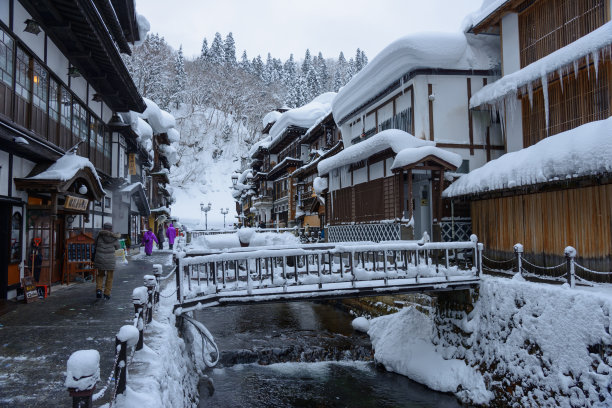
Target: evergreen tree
[[289, 72], [245, 64], [180, 78], [229, 48], [267, 71], [364, 59], [217, 51], [341, 72], [350, 72], [204, 53], [322, 73], [358, 61], [258, 67], [307, 64]]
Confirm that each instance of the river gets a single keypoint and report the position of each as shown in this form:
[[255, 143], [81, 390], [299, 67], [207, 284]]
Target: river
[[301, 355]]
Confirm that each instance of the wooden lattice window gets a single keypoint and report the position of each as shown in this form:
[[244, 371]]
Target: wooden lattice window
[[552, 24], [581, 100]]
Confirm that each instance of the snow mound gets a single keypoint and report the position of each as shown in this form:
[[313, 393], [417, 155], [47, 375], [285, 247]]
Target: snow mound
[[83, 370], [319, 185], [160, 120], [582, 151], [415, 51], [410, 156], [270, 117], [487, 8], [361, 324]]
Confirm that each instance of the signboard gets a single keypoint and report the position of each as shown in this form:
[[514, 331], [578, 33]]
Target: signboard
[[132, 164], [76, 203], [29, 289]]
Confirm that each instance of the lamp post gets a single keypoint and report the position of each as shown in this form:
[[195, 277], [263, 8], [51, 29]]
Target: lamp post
[[205, 210], [234, 179], [224, 212]]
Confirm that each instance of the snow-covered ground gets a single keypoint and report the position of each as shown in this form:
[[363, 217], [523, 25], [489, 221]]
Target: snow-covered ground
[[544, 345]]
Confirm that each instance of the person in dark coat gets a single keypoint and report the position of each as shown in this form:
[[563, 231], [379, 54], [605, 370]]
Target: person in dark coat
[[148, 239], [160, 236], [107, 242], [171, 234]]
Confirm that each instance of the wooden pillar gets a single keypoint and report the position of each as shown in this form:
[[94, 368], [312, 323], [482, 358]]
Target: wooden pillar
[[410, 209], [400, 183]]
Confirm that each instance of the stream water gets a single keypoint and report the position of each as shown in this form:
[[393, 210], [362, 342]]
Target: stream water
[[301, 355]]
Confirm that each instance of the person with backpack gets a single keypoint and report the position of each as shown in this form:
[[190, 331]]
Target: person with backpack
[[107, 242]]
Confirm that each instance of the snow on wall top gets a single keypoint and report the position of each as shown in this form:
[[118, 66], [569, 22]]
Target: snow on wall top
[[395, 139], [160, 120], [410, 156], [589, 44], [487, 8], [583, 151], [304, 116], [66, 167], [270, 118], [415, 51]]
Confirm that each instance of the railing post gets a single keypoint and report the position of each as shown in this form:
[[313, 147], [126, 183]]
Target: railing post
[[480, 249], [474, 240], [157, 272], [139, 299], [127, 336], [570, 256], [82, 374], [518, 251], [150, 283], [178, 277]]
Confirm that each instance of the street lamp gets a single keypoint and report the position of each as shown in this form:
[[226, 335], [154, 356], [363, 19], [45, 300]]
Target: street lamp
[[234, 179], [205, 210], [224, 212]]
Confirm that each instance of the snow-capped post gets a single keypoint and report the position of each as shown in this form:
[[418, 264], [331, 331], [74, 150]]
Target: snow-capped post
[[480, 249], [127, 336], [82, 374], [570, 256], [474, 240], [518, 251], [139, 299], [150, 282], [157, 272], [177, 275]]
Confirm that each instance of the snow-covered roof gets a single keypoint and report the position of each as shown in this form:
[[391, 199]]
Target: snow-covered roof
[[160, 120], [132, 187], [487, 8], [415, 51], [304, 116], [270, 117], [394, 139], [560, 60], [583, 151], [66, 167], [263, 143], [413, 155]]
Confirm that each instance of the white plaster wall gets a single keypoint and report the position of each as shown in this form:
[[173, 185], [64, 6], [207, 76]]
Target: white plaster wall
[[35, 42], [57, 62], [4, 12], [450, 108], [79, 86], [389, 164], [21, 168], [96, 107], [421, 107], [377, 170], [4, 172], [360, 175], [107, 113], [513, 125], [511, 61]]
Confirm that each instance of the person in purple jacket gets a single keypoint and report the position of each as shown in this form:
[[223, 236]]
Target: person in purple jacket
[[171, 234], [148, 239]]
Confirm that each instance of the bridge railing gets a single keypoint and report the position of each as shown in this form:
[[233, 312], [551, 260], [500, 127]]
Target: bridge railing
[[323, 266]]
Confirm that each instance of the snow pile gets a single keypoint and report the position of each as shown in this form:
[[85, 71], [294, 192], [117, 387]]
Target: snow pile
[[227, 241], [403, 344], [394, 139], [270, 117], [160, 120], [319, 185], [304, 116], [415, 51], [583, 151], [83, 370], [66, 167], [143, 28], [487, 8], [361, 324], [411, 156], [245, 235], [563, 60]]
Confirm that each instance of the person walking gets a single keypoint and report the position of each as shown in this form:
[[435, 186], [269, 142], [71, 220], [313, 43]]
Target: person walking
[[160, 236], [171, 234], [107, 242], [148, 239]]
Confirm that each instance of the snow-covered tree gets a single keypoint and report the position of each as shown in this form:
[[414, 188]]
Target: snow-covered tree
[[229, 48], [245, 64], [217, 50], [180, 78]]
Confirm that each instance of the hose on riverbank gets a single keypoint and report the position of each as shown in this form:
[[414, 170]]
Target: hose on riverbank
[[207, 338]]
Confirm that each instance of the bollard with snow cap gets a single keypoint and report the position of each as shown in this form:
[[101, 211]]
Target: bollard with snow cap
[[570, 256], [139, 299], [518, 251], [150, 282], [157, 272], [82, 374], [127, 336]]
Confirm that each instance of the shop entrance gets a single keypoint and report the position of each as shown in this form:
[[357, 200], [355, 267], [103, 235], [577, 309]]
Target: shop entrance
[[11, 227]]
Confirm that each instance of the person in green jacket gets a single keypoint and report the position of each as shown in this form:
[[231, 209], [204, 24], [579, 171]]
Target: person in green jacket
[[107, 242]]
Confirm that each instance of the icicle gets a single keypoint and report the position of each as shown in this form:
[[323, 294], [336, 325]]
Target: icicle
[[587, 66], [544, 80], [560, 73], [530, 92], [576, 69], [595, 56]]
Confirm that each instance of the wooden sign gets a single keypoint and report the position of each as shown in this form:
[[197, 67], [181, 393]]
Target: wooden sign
[[132, 164], [76, 203], [29, 289]]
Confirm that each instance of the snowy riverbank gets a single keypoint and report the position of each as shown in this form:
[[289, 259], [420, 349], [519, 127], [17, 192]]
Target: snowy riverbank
[[523, 343]]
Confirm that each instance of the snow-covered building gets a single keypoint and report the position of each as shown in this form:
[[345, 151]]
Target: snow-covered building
[[61, 80], [553, 188], [421, 85]]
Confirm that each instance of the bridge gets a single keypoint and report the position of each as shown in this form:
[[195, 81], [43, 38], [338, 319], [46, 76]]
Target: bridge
[[324, 271]]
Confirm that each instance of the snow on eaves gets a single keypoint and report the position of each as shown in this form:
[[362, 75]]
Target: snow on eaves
[[412, 52], [304, 116], [395, 139], [160, 120], [583, 151], [586, 46], [143, 28], [66, 167], [487, 8], [410, 156], [270, 117], [263, 143]]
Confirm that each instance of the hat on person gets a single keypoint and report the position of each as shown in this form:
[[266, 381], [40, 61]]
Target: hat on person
[[108, 226]]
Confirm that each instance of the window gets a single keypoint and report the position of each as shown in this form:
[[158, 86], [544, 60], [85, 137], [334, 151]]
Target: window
[[54, 100], [107, 202], [66, 109], [16, 225], [23, 84], [6, 58], [40, 79], [79, 120]]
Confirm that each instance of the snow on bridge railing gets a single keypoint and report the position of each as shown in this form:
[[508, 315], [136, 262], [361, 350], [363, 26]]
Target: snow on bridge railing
[[260, 271]]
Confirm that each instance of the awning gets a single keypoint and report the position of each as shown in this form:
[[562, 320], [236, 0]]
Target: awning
[[136, 192]]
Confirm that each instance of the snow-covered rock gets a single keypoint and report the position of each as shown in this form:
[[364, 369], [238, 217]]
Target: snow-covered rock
[[361, 324]]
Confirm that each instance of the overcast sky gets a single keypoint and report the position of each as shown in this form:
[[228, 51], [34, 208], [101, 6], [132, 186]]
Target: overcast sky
[[282, 27]]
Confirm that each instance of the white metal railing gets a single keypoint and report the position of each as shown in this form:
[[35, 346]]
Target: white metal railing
[[315, 267]]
